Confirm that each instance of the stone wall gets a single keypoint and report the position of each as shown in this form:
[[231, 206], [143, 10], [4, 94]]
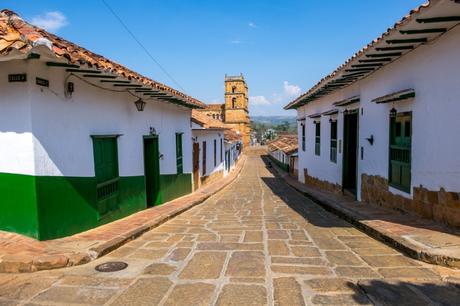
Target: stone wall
[[205, 180], [441, 206], [317, 183]]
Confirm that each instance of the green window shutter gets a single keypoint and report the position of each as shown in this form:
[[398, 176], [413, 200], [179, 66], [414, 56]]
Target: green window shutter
[[400, 151], [303, 137], [106, 170], [221, 149], [333, 152], [204, 158], [215, 152], [317, 138], [179, 155]]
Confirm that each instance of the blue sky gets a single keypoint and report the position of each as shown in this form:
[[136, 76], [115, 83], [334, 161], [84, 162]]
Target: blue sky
[[283, 47]]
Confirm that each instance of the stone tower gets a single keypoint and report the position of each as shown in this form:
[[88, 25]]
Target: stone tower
[[236, 110]]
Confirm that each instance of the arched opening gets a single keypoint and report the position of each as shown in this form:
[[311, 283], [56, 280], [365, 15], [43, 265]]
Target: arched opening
[[233, 102], [233, 89]]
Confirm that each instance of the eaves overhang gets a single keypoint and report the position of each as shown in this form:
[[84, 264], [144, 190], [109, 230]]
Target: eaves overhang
[[421, 26]]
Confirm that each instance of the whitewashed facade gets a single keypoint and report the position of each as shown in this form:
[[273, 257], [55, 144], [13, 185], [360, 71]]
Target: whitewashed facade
[[232, 153], [212, 148], [75, 150], [422, 84]]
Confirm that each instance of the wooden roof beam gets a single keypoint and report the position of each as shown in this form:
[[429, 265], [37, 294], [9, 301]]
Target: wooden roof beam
[[115, 81], [438, 19], [374, 55], [63, 65], [407, 41], [127, 85], [367, 65], [423, 31], [99, 76], [395, 48], [377, 60], [359, 69], [83, 71]]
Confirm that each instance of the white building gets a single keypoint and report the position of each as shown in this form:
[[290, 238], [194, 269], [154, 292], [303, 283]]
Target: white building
[[233, 146], [75, 149], [383, 125], [208, 149], [283, 151]]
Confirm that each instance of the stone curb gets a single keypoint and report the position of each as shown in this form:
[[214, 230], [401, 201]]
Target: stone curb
[[27, 264], [395, 242]]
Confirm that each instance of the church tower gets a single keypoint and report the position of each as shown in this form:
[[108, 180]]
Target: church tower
[[236, 110]]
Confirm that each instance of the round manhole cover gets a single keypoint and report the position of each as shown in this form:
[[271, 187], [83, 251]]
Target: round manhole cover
[[111, 266]]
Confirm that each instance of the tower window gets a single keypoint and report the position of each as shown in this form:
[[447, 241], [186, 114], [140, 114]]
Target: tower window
[[233, 102], [233, 89]]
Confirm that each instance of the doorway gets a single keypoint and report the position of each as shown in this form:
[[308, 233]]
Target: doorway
[[204, 159], [350, 152], [152, 170], [196, 165]]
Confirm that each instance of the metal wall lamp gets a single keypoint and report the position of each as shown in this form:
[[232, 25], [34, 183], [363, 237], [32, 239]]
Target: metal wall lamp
[[140, 105], [371, 140], [393, 112]]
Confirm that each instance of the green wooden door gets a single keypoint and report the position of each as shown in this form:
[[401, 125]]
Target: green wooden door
[[106, 172], [152, 170], [400, 151], [204, 158], [350, 151], [179, 155]]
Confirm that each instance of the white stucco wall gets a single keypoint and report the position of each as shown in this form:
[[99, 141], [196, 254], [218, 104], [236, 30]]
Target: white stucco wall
[[61, 127], [231, 148], [433, 71], [209, 136], [16, 149], [280, 156]]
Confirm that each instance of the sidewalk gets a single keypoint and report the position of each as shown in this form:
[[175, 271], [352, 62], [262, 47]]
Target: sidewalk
[[23, 254], [418, 238]]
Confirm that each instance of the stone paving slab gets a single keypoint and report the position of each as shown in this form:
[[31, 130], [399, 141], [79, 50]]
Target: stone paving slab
[[20, 254], [418, 238], [172, 266]]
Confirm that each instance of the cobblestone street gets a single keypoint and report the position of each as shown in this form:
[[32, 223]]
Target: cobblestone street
[[257, 242]]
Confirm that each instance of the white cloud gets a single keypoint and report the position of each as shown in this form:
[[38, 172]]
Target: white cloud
[[277, 98], [50, 21], [252, 25], [259, 100], [290, 90], [236, 42]]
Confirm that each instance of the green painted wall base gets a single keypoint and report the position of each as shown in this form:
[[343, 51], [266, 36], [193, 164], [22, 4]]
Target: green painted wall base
[[49, 207], [173, 186], [283, 166]]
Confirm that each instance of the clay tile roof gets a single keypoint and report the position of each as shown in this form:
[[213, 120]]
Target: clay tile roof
[[451, 7], [215, 107], [286, 143], [206, 121], [231, 136], [18, 36]]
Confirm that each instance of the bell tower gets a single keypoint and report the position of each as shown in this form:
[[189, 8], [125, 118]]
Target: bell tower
[[237, 106]]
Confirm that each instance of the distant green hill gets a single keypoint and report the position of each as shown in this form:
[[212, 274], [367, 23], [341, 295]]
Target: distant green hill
[[274, 120], [262, 125]]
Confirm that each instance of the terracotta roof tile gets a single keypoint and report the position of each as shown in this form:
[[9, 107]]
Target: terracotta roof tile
[[206, 121], [286, 143], [18, 35], [215, 107], [231, 136]]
